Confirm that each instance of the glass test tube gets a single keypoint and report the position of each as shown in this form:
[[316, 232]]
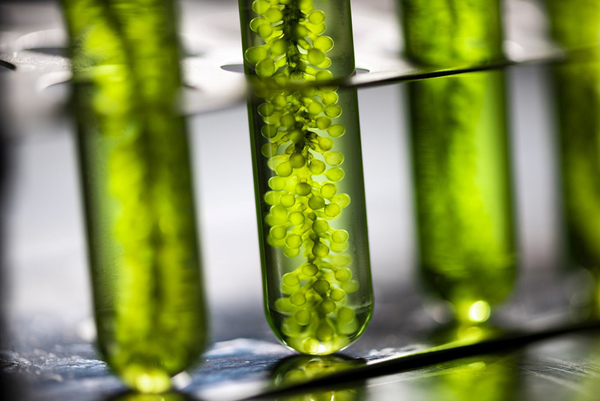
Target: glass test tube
[[577, 82], [308, 172], [460, 157], [137, 186]]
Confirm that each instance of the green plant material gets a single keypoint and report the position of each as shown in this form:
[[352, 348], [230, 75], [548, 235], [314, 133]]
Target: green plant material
[[446, 33], [133, 150], [309, 259], [577, 82], [460, 157]]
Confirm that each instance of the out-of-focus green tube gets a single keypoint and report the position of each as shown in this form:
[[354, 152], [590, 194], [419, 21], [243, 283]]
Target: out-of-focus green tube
[[308, 172], [133, 149], [575, 25], [460, 156]]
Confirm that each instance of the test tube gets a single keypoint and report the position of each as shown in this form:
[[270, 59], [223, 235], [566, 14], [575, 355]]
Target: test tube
[[460, 157], [308, 172], [574, 25], [137, 187]]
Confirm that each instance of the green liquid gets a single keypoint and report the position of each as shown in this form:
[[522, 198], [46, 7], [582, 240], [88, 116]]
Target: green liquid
[[308, 173], [460, 156], [575, 24], [137, 186], [464, 212]]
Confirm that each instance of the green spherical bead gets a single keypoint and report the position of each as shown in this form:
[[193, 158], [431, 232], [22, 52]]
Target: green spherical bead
[[320, 250], [333, 111], [333, 210], [316, 17], [291, 252], [309, 269], [343, 275], [273, 14], [298, 299], [320, 226], [301, 31], [337, 294], [303, 189], [329, 98], [277, 232], [269, 149], [255, 54], [327, 306], [328, 190], [337, 130], [272, 197], [310, 345], [315, 56], [290, 279], [287, 200], [325, 143], [324, 75], [279, 47], [323, 43], [316, 202], [315, 108], [334, 174], [346, 314], [260, 6], [293, 241], [265, 109], [279, 212], [296, 136], [297, 160], [287, 120], [323, 122], [290, 327], [341, 199], [334, 158], [321, 286], [341, 260], [350, 286], [325, 332], [277, 183], [296, 218], [279, 101], [316, 167], [284, 169], [269, 131], [336, 247], [266, 67], [302, 317], [340, 236]]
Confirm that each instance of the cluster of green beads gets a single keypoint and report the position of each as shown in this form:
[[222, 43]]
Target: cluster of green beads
[[299, 134]]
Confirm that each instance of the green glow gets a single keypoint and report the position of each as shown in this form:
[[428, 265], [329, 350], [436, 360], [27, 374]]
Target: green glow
[[136, 179], [306, 144]]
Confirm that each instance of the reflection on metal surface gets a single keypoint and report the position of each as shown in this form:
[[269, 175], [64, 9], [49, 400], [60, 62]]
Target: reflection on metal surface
[[297, 370], [133, 396]]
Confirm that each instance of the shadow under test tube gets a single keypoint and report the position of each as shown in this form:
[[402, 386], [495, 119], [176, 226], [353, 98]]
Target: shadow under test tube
[[460, 156], [308, 172], [135, 170]]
